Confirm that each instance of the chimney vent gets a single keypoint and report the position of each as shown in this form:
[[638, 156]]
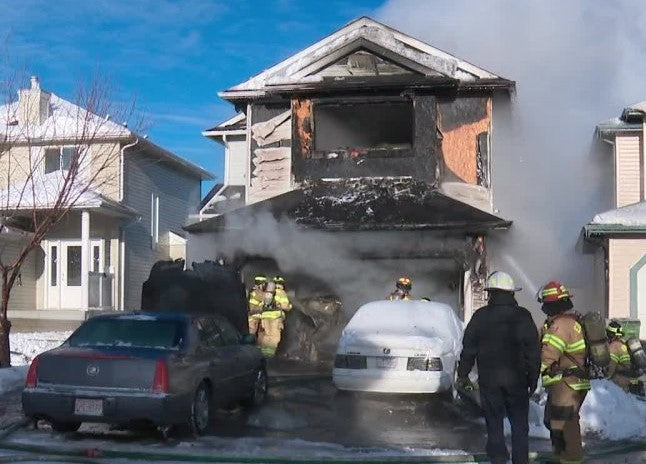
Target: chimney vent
[[35, 84]]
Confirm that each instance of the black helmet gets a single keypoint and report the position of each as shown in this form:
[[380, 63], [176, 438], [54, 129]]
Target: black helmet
[[614, 330]]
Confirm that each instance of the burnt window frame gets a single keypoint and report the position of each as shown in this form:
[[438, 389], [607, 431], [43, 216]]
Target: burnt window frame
[[363, 152]]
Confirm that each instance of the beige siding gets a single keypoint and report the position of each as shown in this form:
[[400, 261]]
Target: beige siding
[[101, 165], [237, 160], [623, 254], [24, 291], [15, 165], [628, 170], [106, 171], [179, 196]]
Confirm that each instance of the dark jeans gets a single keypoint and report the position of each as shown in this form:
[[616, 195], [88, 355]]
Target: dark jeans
[[498, 402]]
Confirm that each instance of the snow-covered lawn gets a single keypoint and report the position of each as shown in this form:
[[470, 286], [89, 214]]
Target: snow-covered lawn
[[25, 346]]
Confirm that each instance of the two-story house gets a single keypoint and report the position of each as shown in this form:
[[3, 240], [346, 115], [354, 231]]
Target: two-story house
[[100, 253], [622, 231], [378, 146]]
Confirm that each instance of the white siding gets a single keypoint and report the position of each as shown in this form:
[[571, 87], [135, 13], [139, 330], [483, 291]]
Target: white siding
[[23, 293], [237, 160], [179, 196], [628, 171]]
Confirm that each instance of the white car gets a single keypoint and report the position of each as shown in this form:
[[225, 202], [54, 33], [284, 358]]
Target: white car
[[399, 347]]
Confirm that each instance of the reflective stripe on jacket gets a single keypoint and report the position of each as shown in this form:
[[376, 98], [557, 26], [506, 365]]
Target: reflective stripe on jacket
[[273, 314], [255, 302], [563, 352], [620, 362], [282, 300]]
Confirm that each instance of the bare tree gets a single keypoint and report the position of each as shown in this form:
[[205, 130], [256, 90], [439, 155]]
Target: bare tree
[[55, 155]]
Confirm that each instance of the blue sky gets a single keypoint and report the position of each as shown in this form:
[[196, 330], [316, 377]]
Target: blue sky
[[171, 56]]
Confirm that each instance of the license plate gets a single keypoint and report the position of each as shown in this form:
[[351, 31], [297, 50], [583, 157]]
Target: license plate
[[386, 363], [85, 407]]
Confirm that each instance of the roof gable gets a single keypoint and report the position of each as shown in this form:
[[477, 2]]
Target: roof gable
[[364, 34]]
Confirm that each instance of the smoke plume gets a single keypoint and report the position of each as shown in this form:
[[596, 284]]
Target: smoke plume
[[576, 64]]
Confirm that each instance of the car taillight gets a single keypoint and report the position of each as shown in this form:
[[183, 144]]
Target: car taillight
[[350, 361], [160, 381], [424, 364], [434, 364], [32, 374], [341, 361]]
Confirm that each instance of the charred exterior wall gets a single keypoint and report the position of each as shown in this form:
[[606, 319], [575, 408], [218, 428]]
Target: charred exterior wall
[[270, 144], [465, 124], [393, 157]]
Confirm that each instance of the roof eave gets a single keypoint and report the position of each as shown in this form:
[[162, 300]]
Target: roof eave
[[596, 230], [200, 172]]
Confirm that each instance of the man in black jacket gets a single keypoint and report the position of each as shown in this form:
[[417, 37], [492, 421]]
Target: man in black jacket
[[502, 339]]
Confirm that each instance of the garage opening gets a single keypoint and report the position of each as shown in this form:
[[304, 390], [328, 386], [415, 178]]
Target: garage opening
[[364, 126]]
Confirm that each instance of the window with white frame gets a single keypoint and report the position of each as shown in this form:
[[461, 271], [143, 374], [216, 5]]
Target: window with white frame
[[154, 220], [59, 158]]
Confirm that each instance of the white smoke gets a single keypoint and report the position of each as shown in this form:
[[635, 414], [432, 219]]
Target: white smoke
[[576, 63]]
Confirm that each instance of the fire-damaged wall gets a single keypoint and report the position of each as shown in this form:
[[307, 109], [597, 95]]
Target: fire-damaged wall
[[365, 137], [270, 144], [465, 124]]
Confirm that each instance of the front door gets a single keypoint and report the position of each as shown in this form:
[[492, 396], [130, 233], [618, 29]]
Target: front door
[[71, 290]]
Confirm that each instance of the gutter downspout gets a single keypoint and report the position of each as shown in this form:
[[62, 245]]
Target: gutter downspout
[[122, 245]]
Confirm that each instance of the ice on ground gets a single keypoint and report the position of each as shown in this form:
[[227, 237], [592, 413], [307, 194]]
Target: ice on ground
[[26, 346], [275, 418], [12, 378], [607, 412]]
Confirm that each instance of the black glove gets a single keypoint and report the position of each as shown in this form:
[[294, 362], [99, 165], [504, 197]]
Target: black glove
[[532, 385]]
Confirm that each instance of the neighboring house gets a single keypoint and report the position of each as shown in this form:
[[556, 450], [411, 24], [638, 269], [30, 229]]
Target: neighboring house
[[622, 231], [375, 136], [100, 254]]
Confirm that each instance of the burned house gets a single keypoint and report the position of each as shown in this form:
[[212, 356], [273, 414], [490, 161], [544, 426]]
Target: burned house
[[361, 158]]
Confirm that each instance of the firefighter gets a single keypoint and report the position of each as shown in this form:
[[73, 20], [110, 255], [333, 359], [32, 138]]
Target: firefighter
[[563, 371], [403, 287], [620, 370], [271, 322], [256, 303], [502, 338], [281, 298]]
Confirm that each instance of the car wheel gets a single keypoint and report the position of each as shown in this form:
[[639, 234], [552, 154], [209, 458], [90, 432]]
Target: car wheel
[[65, 426], [259, 391], [200, 416]]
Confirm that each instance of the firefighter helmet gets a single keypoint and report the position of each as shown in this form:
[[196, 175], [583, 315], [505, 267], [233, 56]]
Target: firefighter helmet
[[614, 330], [499, 280], [553, 291], [404, 283], [279, 280], [260, 280]]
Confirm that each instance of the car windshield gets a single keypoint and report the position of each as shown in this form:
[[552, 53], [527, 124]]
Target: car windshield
[[129, 332]]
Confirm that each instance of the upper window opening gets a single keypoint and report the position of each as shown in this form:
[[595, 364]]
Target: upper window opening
[[58, 159], [363, 126]]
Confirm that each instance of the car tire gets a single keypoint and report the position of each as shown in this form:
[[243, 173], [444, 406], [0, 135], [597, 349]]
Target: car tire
[[200, 413], [62, 427], [259, 389]]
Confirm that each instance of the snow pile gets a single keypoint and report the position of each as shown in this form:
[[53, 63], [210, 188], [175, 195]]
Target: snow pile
[[12, 378], [613, 414], [25, 346], [631, 215], [607, 411]]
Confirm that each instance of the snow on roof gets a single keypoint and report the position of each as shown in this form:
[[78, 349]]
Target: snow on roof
[[43, 191], [65, 121], [631, 215], [641, 106], [297, 68]]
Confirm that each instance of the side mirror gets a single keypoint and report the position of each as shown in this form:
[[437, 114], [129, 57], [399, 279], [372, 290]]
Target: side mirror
[[248, 339]]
